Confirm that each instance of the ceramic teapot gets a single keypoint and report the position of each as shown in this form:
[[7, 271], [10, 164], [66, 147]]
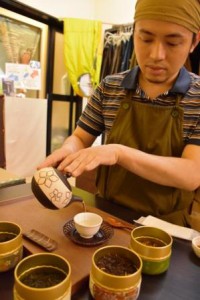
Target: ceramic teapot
[[52, 189]]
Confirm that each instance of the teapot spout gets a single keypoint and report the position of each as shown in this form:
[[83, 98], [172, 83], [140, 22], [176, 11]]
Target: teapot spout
[[76, 198]]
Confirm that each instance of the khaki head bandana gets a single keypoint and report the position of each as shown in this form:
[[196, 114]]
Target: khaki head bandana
[[182, 12]]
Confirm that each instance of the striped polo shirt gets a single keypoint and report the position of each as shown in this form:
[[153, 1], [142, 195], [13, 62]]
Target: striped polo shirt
[[101, 110]]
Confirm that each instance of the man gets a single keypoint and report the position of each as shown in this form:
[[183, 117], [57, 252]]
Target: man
[[150, 116]]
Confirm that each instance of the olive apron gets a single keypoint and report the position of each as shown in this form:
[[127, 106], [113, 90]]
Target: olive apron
[[153, 129]]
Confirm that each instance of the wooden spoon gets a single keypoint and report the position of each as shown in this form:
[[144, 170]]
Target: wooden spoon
[[119, 224]]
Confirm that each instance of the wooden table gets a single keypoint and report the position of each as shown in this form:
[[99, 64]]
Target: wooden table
[[180, 282]]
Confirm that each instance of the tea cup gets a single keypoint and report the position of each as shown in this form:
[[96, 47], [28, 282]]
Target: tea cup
[[87, 224]]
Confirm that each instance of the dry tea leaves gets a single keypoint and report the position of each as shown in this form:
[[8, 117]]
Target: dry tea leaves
[[116, 264], [6, 236], [150, 241], [43, 277]]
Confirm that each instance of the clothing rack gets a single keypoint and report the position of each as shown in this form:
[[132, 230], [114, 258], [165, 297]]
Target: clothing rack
[[120, 27], [118, 48]]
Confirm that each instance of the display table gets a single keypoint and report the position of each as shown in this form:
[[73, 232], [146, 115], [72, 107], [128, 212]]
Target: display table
[[181, 281]]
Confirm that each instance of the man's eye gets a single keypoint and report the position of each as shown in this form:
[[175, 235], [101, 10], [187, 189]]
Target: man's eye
[[172, 44], [146, 40]]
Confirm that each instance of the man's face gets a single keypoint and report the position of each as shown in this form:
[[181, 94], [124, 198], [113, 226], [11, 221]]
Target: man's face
[[161, 49]]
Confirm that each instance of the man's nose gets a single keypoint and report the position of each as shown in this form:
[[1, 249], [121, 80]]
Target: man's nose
[[158, 51]]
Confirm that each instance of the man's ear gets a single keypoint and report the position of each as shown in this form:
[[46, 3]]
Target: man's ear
[[198, 37], [195, 42]]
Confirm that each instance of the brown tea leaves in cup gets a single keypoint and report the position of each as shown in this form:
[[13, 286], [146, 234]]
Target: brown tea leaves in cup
[[6, 236], [151, 241], [116, 264], [43, 277]]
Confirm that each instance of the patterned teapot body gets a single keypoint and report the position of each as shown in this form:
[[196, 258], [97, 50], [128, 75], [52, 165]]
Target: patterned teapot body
[[51, 188]]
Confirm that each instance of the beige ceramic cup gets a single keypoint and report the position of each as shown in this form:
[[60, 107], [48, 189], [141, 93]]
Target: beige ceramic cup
[[42, 276], [87, 224], [11, 247]]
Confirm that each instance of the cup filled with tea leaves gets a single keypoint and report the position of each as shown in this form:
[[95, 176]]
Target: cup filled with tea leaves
[[42, 276], [154, 246], [87, 224], [11, 246], [115, 273]]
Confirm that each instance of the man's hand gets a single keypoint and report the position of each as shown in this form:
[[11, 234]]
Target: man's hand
[[54, 159], [78, 140], [89, 158]]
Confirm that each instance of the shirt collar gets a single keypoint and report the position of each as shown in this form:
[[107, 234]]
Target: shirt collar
[[181, 85]]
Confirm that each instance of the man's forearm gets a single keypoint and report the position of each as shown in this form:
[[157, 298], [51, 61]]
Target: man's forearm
[[182, 172]]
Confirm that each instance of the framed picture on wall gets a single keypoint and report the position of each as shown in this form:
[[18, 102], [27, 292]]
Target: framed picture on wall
[[22, 42]]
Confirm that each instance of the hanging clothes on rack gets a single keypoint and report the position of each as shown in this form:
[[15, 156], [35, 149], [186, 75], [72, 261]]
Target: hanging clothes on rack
[[118, 47]]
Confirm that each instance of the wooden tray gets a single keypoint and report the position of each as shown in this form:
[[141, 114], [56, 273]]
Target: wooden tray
[[30, 214]]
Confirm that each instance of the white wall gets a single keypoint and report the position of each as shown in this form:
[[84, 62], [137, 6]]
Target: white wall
[[115, 11], [64, 8], [108, 11]]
